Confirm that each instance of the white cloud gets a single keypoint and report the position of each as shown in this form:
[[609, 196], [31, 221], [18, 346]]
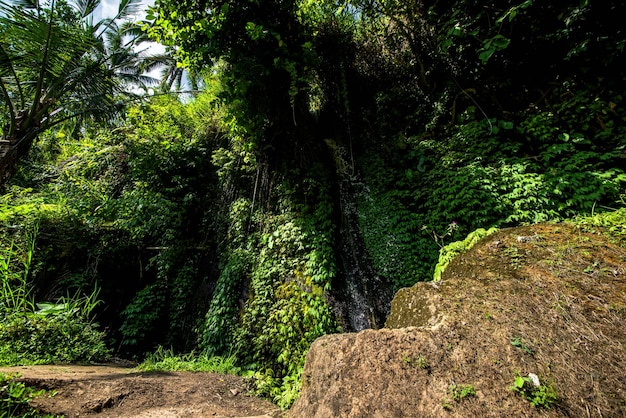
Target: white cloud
[[108, 9]]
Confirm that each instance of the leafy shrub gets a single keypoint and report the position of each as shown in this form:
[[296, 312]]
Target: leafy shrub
[[36, 338], [15, 397], [43, 332]]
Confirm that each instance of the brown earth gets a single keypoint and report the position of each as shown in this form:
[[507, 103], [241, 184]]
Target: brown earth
[[109, 391], [548, 300]]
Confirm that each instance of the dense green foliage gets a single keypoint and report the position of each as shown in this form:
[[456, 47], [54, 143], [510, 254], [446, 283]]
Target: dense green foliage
[[217, 225], [15, 396], [493, 135], [287, 255], [154, 199], [42, 332]]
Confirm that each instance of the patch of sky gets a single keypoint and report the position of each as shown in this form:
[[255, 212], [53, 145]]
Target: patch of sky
[[108, 9]]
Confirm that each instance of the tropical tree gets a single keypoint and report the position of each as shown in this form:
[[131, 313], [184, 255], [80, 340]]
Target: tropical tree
[[262, 53], [57, 64], [174, 77]]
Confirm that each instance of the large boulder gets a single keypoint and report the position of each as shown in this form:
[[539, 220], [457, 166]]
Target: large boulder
[[529, 322]]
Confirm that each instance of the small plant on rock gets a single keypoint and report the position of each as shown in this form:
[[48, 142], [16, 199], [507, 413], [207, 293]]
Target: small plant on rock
[[457, 393], [538, 394], [460, 392], [419, 362], [448, 252], [518, 343], [440, 238]]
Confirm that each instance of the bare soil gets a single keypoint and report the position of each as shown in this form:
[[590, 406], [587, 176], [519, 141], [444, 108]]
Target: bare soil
[[112, 391]]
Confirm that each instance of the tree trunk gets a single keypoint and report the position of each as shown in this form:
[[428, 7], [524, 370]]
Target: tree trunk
[[11, 150]]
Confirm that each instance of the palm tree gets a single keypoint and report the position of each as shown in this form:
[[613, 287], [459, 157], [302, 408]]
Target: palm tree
[[174, 78], [57, 64]]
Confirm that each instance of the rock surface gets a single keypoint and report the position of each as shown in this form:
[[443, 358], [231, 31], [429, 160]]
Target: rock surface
[[546, 300]]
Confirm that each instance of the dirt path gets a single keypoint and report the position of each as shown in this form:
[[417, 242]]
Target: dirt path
[[111, 391]]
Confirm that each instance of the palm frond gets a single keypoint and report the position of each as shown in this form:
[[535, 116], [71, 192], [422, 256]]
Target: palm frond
[[100, 26], [44, 67], [149, 80], [156, 62], [128, 8], [12, 115], [178, 79], [58, 68], [135, 31], [70, 69], [101, 108], [27, 4], [7, 69], [86, 7]]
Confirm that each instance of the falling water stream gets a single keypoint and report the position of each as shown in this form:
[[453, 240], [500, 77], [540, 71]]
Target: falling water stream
[[362, 298]]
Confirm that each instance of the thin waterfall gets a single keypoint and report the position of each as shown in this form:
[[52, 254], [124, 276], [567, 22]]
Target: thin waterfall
[[361, 297]]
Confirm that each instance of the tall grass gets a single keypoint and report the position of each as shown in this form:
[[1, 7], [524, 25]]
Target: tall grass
[[81, 306], [165, 360], [15, 294]]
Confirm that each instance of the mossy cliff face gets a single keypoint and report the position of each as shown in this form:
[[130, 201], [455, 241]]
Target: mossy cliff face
[[415, 307], [545, 300]]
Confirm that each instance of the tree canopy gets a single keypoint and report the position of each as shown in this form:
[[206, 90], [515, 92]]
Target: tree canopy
[[58, 65]]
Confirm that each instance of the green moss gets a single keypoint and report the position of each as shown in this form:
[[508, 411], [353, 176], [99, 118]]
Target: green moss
[[412, 307], [447, 253]]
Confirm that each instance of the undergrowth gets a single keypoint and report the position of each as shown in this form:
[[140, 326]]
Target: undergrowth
[[167, 360], [43, 332], [612, 224], [15, 398], [285, 258]]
